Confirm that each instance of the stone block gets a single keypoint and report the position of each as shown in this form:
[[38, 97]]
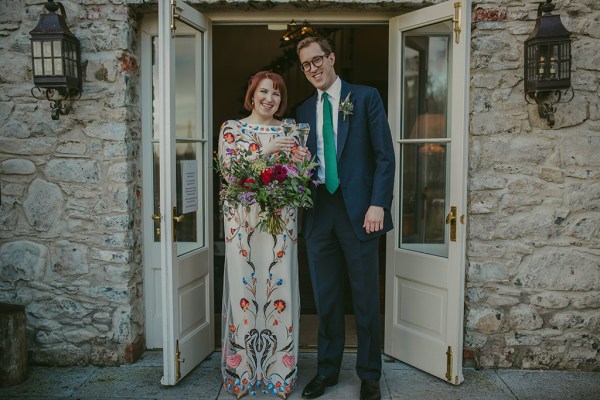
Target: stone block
[[484, 202], [484, 320], [73, 170], [581, 150], [487, 271], [590, 300], [22, 260], [549, 300], [63, 354], [70, 258], [120, 172], [524, 317], [588, 320], [43, 205], [560, 270], [487, 181], [18, 166], [584, 196], [106, 130]]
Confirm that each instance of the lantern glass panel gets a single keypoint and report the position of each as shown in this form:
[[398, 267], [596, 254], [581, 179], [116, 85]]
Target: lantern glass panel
[[564, 61], [58, 67], [56, 48], [37, 67], [47, 66], [37, 49], [47, 47]]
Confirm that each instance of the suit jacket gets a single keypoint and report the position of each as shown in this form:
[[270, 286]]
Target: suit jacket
[[365, 155]]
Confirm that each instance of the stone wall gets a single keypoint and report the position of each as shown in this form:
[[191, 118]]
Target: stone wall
[[69, 214], [70, 223], [533, 273]]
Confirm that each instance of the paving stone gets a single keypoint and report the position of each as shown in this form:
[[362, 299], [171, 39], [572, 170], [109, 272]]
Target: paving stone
[[552, 385]]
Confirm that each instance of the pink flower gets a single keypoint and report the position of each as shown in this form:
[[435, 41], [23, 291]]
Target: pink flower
[[234, 360], [288, 360]]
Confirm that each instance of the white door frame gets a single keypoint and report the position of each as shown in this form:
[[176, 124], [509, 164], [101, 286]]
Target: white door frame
[[325, 16]]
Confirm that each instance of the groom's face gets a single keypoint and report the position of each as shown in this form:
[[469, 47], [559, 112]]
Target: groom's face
[[324, 75]]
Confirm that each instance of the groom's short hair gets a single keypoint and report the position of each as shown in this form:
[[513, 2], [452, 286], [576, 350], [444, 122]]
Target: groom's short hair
[[321, 41]]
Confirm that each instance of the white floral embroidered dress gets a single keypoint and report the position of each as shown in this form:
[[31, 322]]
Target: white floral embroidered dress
[[261, 301]]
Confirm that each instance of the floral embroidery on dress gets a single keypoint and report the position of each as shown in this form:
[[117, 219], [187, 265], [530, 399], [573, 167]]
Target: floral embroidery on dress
[[261, 298]]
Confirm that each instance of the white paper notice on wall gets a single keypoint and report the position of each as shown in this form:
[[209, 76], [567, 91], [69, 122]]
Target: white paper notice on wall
[[189, 185]]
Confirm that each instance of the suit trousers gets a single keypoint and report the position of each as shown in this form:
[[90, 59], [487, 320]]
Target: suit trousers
[[334, 251]]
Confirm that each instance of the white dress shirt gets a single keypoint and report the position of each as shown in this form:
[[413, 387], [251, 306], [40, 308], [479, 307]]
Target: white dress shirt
[[334, 93]]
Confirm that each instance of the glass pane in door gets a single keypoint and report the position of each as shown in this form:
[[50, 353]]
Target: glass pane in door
[[190, 145], [425, 139]]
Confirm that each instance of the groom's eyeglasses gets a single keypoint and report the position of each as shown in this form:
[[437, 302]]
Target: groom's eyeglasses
[[316, 61]]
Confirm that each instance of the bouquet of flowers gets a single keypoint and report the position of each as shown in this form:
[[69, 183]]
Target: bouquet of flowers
[[272, 182]]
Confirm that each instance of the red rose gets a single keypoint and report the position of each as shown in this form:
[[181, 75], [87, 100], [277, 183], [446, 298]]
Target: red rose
[[244, 182], [265, 176]]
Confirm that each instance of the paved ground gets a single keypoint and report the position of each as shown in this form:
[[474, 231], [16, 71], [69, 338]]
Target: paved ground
[[400, 381]]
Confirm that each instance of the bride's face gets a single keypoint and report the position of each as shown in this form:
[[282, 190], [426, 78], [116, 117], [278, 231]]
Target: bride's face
[[266, 99]]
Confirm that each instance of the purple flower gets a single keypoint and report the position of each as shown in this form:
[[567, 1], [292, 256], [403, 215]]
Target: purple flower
[[247, 198], [292, 169]]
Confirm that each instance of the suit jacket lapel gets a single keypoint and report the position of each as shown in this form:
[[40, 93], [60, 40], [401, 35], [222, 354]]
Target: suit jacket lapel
[[343, 123]]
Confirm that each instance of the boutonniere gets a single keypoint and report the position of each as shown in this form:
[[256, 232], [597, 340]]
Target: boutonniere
[[346, 106]]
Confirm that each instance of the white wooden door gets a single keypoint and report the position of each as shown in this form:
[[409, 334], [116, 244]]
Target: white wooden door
[[184, 157], [426, 250]]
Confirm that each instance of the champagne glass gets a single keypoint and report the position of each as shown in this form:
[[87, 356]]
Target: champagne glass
[[302, 130], [288, 125]]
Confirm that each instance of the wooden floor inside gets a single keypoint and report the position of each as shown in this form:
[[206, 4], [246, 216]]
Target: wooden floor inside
[[309, 327]]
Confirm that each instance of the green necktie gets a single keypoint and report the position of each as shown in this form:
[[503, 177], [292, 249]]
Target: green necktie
[[331, 175]]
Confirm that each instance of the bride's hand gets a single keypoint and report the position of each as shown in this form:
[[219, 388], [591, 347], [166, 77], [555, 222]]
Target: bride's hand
[[280, 143]]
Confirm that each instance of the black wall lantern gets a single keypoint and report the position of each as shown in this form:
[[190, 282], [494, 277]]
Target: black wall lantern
[[548, 62], [55, 58]]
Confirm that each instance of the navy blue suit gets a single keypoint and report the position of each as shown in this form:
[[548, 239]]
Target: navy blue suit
[[337, 243]]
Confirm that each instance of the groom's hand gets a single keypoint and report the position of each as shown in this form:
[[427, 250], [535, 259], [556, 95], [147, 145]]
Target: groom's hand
[[300, 153], [373, 219]]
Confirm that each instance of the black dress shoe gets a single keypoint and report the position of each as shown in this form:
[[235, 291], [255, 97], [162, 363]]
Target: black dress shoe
[[316, 387], [369, 390]]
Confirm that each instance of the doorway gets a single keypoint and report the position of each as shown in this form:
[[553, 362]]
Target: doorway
[[242, 50]]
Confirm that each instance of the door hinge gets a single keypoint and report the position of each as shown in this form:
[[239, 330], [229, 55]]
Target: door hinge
[[449, 364], [457, 21], [178, 361], [175, 14]]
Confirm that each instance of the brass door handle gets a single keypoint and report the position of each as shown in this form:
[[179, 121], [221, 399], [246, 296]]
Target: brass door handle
[[155, 218], [451, 219], [178, 218]]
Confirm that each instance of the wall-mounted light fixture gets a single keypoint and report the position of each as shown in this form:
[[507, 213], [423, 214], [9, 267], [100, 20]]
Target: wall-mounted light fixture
[[548, 62], [55, 58], [296, 32]]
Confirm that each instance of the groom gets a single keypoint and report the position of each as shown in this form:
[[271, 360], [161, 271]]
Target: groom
[[351, 137]]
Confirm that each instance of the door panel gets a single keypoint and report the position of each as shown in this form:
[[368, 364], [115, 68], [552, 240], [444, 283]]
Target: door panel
[[425, 256], [184, 151]]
